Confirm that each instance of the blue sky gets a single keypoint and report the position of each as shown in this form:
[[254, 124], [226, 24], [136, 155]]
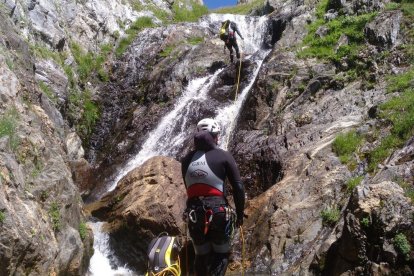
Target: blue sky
[[213, 4]]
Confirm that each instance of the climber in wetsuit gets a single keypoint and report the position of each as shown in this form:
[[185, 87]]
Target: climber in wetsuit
[[210, 219], [230, 40]]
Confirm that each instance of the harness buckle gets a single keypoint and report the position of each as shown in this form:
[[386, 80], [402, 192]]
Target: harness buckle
[[192, 216]]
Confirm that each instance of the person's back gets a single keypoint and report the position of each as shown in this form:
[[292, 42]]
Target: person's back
[[210, 219]]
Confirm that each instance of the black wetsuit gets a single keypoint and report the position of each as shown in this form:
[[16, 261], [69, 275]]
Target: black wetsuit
[[204, 171], [231, 41]]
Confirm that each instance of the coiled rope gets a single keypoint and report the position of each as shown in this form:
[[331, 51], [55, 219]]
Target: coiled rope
[[172, 270]]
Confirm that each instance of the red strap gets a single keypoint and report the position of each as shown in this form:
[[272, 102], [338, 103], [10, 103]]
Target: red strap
[[202, 190], [207, 219]]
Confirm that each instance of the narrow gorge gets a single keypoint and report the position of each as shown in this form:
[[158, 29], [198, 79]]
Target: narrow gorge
[[99, 100]]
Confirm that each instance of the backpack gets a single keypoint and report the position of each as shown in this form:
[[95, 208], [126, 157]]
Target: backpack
[[163, 256], [224, 30]]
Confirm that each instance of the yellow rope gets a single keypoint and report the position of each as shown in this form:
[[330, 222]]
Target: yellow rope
[[238, 77], [172, 270], [243, 249], [186, 250]]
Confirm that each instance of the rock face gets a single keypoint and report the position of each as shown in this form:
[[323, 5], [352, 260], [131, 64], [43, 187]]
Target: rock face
[[375, 215], [40, 207], [148, 201]]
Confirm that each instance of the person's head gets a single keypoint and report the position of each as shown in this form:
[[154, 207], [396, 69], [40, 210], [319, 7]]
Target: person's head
[[210, 125]]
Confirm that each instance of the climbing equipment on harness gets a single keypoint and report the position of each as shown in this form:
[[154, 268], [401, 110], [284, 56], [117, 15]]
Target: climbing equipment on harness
[[206, 208], [163, 256]]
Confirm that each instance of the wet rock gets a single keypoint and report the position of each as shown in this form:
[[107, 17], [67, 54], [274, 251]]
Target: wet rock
[[148, 201], [383, 31]]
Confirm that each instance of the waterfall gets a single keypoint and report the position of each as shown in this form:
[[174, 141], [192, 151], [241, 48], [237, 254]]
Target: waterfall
[[172, 129]]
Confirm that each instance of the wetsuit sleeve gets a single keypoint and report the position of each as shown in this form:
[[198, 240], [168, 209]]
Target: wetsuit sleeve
[[236, 29], [233, 175]]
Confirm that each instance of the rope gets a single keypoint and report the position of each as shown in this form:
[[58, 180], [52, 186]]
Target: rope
[[186, 251], [243, 250], [238, 77], [237, 87], [172, 270]]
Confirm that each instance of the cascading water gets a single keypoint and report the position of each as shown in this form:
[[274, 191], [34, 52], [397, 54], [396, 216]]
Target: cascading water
[[172, 130]]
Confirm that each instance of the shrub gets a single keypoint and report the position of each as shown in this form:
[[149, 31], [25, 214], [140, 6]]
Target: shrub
[[330, 216], [402, 245]]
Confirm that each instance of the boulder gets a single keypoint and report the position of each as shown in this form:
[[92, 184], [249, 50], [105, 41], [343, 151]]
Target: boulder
[[383, 31], [149, 200]]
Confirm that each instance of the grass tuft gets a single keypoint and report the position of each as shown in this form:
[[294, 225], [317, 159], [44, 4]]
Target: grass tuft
[[330, 216], [345, 145], [8, 127]]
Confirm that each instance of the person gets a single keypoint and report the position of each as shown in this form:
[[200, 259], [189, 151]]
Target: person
[[229, 38], [210, 218]]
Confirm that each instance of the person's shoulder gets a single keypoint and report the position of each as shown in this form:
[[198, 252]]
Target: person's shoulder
[[223, 152], [189, 155]]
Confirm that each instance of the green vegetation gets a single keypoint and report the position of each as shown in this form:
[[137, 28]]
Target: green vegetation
[[330, 216], [402, 245], [2, 216], [345, 145], [325, 47], [8, 127], [401, 82], [83, 230], [136, 27], [183, 14], [353, 182], [9, 63], [45, 53], [399, 113], [47, 91], [242, 8], [365, 222], [167, 50], [83, 111], [195, 40], [54, 214]]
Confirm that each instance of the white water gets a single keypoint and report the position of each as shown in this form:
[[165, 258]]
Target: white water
[[165, 139]]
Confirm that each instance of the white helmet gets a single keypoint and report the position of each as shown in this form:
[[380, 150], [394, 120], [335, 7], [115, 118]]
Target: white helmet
[[209, 125]]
